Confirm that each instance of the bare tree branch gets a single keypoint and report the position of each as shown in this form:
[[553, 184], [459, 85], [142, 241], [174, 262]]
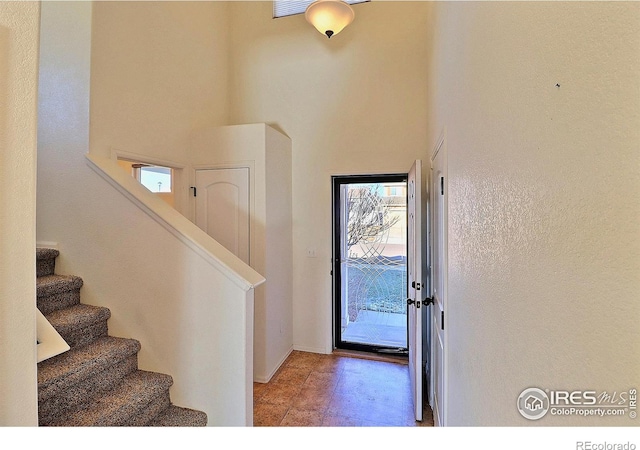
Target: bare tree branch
[[368, 215]]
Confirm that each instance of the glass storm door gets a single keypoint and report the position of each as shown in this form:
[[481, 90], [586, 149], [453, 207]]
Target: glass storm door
[[370, 263]]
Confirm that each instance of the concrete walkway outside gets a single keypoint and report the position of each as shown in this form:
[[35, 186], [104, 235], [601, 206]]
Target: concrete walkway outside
[[377, 328]]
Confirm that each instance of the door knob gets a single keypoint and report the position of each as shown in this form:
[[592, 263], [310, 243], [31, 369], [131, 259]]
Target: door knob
[[411, 302]]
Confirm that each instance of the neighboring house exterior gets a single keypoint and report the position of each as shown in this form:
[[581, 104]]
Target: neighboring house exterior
[[538, 104]]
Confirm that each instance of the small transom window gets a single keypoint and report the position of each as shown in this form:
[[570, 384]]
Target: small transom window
[[282, 8]]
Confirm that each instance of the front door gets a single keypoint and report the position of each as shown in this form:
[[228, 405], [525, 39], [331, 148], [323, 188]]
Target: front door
[[416, 288], [370, 263], [379, 255]]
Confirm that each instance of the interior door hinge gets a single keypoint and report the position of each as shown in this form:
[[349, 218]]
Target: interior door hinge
[[194, 190], [442, 319], [441, 185]]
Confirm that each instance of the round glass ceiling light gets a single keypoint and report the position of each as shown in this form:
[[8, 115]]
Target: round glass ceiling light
[[329, 17]]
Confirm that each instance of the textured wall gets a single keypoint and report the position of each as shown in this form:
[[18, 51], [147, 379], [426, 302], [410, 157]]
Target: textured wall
[[19, 27], [540, 104]]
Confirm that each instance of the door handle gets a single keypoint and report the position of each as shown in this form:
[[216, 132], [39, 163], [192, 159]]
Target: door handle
[[411, 302]]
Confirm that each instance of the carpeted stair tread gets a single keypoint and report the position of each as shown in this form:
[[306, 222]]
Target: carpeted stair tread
[[46, 253], [175, 416], [80, 324], [78, 316], [84, 392], [46, 261], [60, 372], [122, 405], [57, 284], [57, 292]]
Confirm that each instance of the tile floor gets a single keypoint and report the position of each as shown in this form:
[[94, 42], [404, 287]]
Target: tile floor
[[312, 390]]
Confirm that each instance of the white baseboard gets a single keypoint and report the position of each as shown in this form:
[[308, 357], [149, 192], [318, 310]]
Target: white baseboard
[[302, 348], [261, 378], [44, 244]]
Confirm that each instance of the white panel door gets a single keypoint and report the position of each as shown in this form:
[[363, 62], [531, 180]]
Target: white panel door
[[414, 279], [438, 258], [223, 207]]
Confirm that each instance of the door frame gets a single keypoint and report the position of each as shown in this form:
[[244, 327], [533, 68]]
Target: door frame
[[336, 182], [440, 147]]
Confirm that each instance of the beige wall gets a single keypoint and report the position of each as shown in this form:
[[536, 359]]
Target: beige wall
[[19, 34], [158, 70], [354, 104], [267, 153], [544, 192], [63, 127]]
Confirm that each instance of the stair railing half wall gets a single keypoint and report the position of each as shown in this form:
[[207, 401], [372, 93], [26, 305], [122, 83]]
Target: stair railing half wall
[[198, 317], [181, 227]]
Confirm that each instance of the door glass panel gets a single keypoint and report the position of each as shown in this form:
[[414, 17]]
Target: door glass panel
[[373, 264]]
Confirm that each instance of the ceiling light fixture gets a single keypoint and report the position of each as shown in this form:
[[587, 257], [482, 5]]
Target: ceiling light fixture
[[329, 16]]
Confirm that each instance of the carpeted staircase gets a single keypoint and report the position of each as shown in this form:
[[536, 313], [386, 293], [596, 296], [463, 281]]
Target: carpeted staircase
[[97, 382]]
